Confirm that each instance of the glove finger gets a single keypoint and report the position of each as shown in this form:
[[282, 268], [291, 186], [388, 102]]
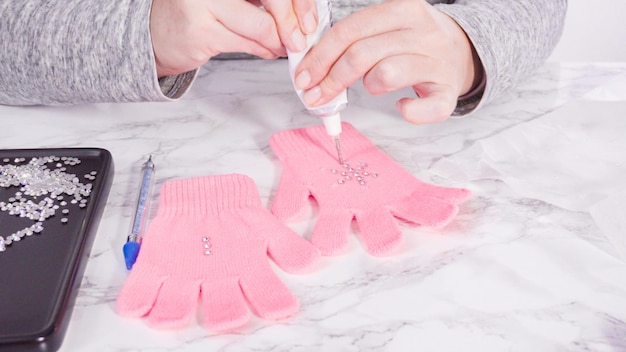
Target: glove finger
[[267, 295], [224, 306], [426, 211], [288, 250], [175, 304], [139, 292], [452, 195], [291, 197], [332, 231], [379, 232]]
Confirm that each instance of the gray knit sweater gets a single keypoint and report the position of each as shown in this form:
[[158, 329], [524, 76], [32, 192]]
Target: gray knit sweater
[[71, 52]]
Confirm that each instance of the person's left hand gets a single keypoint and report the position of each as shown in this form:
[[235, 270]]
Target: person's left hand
[[393, 45]]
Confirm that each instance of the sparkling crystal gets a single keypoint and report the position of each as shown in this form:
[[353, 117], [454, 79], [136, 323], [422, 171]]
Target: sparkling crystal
[[43, 183]]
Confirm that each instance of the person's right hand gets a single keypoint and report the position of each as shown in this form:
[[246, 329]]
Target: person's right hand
[[294, 20], [187, 33]]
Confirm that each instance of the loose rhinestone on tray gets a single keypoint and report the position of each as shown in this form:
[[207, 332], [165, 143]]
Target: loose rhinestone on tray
[[42, 183]]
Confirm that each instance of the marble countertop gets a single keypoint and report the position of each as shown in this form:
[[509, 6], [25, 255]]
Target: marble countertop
[[535, 261]]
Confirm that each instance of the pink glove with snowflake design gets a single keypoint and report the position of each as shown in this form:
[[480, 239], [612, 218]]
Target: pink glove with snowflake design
[[372, 188], [211, 237]]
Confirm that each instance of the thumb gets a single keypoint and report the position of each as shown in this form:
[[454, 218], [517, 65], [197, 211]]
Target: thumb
[[434, 104]]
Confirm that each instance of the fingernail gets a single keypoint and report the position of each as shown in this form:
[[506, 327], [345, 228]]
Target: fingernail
[[309, 23], [312, 95], [303, 79], [298, 40]]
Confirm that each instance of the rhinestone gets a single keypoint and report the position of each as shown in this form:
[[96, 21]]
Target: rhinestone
[[340, 182], [359, 178], [43, 177], [343, 173], [362, 182], [348, 178], [207, 252], [333, 171], [346, 165], [207, 245], [365, 173], [350, 170], [374, 175], [205, 239]]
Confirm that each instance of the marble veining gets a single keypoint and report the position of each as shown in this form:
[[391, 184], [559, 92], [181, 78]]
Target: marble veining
[[535, 261]]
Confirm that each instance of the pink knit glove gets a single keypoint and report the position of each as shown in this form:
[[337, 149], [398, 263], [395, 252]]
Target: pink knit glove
[[212, 236], [372, 188]]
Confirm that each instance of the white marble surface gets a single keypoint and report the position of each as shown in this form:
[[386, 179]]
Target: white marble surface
[[535, 261]]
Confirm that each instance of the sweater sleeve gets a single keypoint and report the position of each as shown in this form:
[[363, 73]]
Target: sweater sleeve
[[72, 52], [511, 38]]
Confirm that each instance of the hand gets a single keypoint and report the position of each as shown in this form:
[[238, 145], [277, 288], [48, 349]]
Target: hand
[[187, 33], [293, 19], [393, 45]]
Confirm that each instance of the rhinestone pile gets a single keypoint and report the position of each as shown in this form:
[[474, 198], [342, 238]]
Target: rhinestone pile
[[41, 185]]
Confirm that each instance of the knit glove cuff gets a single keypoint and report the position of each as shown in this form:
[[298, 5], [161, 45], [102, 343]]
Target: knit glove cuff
[[208, 195]]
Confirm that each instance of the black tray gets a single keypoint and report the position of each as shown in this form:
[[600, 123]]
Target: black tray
[[40, 274]]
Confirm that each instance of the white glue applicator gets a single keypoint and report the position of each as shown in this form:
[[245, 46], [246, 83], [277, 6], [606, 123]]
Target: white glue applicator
[[329, 112]]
